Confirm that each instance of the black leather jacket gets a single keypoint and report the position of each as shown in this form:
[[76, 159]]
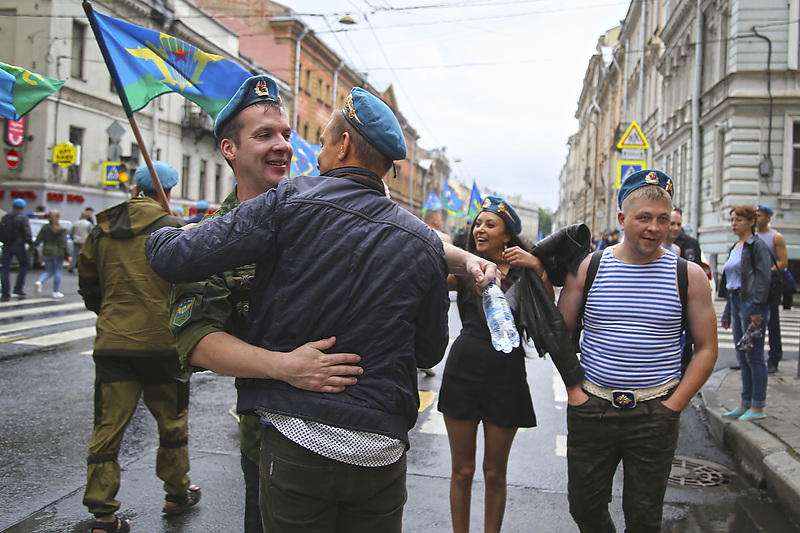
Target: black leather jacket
[[333, 256]]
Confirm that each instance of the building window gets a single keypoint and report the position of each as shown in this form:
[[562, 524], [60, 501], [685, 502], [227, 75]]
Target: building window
[[78, 40], [218, 183], [308, 80], [796, 156], [185, 176], [76, 138], [201, 194], [135, 155]]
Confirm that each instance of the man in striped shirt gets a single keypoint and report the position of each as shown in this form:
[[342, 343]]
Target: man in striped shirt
[[628, 407]]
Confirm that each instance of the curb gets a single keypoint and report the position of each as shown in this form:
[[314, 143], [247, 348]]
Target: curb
[[767, 461]]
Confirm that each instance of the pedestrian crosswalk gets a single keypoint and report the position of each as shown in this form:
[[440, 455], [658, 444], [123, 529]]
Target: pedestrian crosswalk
[[790, 329], [43, 323]]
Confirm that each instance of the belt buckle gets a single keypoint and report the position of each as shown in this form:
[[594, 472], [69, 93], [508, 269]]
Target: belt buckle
[[623, 399]]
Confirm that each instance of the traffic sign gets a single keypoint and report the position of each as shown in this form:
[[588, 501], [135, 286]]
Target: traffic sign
[[633, 138], [12, 159], [111, 171], [15, 132], [65, 154], [626, 168]]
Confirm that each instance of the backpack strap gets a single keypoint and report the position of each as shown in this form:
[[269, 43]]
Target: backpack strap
[[591, 273], [683, 289]]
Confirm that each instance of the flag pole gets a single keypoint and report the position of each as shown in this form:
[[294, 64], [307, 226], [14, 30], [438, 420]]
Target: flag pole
[[112, 69]]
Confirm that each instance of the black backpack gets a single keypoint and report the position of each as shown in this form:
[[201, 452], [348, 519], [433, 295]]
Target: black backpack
[[8, 233]]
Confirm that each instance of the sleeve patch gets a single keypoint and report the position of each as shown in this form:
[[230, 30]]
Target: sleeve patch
[[184, 312]]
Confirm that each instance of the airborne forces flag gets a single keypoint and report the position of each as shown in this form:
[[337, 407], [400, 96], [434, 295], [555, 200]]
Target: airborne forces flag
[[21, 90], [145, 63]]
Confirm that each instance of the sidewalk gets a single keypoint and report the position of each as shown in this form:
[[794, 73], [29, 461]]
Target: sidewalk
[[767, 450]]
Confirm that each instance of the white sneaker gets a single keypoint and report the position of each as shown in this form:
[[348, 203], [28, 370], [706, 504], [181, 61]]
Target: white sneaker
[[57, 295], [37, 288]]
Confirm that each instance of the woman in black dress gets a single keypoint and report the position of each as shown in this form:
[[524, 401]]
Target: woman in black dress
[[481, 384]]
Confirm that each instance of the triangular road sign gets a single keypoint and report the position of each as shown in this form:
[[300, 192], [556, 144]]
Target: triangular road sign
[[633, 138]]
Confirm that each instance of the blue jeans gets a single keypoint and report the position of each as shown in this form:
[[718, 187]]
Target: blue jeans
[[52, 269], [754, 366], [14, 250]]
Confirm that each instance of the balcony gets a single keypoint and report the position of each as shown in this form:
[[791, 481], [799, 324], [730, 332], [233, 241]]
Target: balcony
[[196, 121]]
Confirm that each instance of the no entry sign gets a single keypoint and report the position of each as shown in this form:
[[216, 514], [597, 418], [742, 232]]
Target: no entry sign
[[12, 159]]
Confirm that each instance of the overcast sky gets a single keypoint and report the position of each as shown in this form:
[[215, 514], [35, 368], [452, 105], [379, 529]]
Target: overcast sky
[[496, 82]]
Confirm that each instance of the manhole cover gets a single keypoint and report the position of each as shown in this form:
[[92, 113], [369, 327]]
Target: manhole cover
[[697, 474]]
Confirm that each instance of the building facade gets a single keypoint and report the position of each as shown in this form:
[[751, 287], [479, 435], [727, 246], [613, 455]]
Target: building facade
[[713, 85], [54, 39]]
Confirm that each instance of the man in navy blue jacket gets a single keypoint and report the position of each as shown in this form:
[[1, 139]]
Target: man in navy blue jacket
[[335, 258]]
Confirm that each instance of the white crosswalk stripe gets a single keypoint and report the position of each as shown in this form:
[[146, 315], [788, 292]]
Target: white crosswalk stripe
[[43, 322]]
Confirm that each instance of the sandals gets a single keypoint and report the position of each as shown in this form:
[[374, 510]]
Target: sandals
[[117, 526], [183, 501]]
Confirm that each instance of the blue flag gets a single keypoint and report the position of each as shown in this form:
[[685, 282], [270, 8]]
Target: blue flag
[[432, 203], [449, 199], [21, 90], [304, 160], [145, 63], [474, 202]]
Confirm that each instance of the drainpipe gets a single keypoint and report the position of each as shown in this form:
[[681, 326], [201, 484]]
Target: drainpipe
[[765, 167], [697, 141], [641, 65], [297, 77]]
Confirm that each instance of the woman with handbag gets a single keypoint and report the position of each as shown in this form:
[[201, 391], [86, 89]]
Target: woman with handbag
[[747, 274], [53, 237], [480, 384]]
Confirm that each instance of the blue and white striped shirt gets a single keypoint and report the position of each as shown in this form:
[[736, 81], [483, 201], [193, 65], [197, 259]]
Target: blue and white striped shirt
[[632, 324]]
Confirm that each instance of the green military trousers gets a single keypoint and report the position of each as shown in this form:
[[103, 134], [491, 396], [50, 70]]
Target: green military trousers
[[119, 383]]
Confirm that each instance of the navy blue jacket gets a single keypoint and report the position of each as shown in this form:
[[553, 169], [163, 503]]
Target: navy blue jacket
[[333, 256]]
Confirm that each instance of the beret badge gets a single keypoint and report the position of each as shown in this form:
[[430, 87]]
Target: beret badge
[[261, 89]]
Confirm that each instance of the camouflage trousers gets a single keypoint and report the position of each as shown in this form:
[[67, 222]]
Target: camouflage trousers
[[119, 383]]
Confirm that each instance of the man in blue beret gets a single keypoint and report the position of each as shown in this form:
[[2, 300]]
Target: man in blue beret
[[777, 245], [629, 405], [16, 234], [337, 260], [200, 211], [253, 133], [134, 352]]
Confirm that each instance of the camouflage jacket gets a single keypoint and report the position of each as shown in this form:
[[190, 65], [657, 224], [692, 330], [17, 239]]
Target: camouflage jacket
[[219, 303]]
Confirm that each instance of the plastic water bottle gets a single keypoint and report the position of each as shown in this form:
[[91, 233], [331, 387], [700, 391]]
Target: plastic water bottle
[[499, 318]]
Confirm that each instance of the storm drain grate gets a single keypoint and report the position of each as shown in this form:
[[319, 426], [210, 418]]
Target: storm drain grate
[[696, 474]]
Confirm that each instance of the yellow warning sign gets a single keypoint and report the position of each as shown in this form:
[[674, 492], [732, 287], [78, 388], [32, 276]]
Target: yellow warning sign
[[65, 154], [633, 138]]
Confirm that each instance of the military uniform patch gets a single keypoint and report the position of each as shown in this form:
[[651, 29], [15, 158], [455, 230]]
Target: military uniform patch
[[184, 312]]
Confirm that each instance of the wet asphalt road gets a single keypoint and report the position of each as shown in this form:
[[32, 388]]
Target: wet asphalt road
[[46, 417]]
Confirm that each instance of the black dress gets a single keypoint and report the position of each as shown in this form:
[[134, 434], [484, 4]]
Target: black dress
[[480, 383]]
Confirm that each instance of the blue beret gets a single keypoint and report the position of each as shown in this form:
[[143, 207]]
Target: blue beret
[[376, 122], [167, 175], [202, 204], [764, 208], [254, 89], [642, 178], [19, 203], [500, 207]]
